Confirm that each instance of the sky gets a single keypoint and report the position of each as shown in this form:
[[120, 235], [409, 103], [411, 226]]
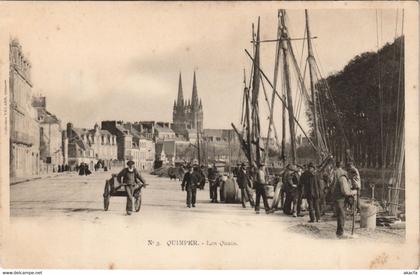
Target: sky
[[121, 61]]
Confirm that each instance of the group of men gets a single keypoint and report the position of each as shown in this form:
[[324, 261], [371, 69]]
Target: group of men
[[311, 183], [316, 184]]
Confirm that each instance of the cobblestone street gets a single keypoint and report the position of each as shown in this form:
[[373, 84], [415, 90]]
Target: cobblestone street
[[73, 205]]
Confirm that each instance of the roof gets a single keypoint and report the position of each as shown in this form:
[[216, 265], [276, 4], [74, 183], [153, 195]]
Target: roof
[[164, 129], [81, 131], [78, 140], [47, 117], [101, 132], [122, 129]]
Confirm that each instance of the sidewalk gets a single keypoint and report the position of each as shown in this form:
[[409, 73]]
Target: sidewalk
[[16, 180]]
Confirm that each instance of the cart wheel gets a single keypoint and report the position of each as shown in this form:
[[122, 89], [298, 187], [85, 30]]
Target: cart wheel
[[138, 203], [107, 196]]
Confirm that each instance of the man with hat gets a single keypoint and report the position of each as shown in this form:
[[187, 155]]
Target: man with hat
[[260, 190], [355, 182], [190, 184], [130, 178], [213, 175], [242, 179], [312, 191], [290, 182], [341, 192]]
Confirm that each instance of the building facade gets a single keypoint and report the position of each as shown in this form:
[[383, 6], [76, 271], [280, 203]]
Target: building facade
[[50, 147], [91, 145], [187, 114], [144, 146], [24, 127], [132, 144]]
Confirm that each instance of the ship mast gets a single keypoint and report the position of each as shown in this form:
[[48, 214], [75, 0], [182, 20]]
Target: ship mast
[[311, 60], [286, 72]]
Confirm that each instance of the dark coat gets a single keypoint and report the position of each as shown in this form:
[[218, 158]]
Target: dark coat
[[191, 180], [311, 185], [125, 176], [242, 178], [290, 182]]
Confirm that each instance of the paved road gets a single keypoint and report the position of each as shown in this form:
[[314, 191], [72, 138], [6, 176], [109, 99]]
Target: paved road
[[67, 211], [80, 198]]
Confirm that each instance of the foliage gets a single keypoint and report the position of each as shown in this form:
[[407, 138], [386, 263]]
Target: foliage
[[352, 103]]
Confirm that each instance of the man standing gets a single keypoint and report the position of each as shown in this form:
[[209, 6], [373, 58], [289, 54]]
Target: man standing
[[190, 184], [260, 190], [212, 175], [242, 179], [312, 191], [130, 177], [341, 192], [355, 182], [290, 182]]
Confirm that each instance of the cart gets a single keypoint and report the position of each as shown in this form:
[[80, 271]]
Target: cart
[[115, 189]]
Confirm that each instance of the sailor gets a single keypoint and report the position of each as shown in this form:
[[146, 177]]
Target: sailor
[[341, 192], [261, 183], [312, 192], [213, 175], [242, 179], [202, 177], [190, 184], [130, 177], [290, 182], [355, 182]]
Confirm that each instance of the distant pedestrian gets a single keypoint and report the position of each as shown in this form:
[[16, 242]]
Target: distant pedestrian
[[82, 169], [341, 192], [261, 184]]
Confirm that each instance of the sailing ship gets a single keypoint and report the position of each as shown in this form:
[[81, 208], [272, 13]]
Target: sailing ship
[[320, 136]]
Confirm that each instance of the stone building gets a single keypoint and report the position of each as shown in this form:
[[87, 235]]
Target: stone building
[[50, 147], [127, 141], [91, 145], [187, 114], [145, 145], [156, 130], [24, 127], [78, 149]]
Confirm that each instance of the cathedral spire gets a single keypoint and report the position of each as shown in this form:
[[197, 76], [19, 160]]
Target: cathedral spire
[[194, 98], [180, 100]]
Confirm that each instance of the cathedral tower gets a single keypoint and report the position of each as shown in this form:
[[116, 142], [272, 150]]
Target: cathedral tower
[[187, 114]]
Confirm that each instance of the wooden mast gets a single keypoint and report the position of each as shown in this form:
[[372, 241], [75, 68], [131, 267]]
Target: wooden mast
[[287, 85], [311, 59], [255, 92], [273, 96]]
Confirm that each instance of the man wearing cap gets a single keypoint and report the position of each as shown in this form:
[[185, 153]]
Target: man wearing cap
[[212, 175], [242, 179], [341, 192], [355, 182], [311, 188], [260, 190], [190, 184], [130, 177], [290, 182]]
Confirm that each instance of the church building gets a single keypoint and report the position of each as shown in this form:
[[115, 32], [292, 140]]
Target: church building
[[187, 114]]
